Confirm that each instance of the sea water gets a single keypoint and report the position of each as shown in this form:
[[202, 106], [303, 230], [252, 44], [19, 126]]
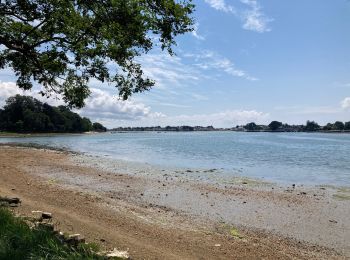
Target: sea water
[[308, 158]]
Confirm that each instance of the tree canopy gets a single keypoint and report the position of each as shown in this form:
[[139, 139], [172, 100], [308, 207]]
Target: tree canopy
[[61, 44], [311, 126], [27, 114], [252, 127], [274, 125]]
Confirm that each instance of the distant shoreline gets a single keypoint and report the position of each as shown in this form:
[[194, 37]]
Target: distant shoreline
[[23, 135], [15, 135], [229, 130]]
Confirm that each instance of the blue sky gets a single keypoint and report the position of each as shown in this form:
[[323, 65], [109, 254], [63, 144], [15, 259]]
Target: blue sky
[[246, 61]]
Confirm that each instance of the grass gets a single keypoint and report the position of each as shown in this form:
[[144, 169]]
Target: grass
[[19, 241], [234, 232]]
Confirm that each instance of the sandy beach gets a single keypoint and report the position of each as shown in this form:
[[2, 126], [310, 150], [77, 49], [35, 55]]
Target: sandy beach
[[158, 213]]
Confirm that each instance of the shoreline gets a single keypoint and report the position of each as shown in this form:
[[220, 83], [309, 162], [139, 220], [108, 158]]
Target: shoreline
[[23, 135], [164, 200], [222, 173]]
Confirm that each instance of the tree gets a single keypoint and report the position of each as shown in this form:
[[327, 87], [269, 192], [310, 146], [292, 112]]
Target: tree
[[86, 124], [98, 127], [311, 126], [338, 126], [251, 127], [26, 114], [62, 44], [347, 126], [274, 125], [2, 119], [328, 127]]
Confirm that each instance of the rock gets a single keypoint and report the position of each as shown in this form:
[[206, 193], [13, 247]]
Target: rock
[[61, 236], [46, 215], [10, 200], [116, 253], [47, 226], [75, 239]]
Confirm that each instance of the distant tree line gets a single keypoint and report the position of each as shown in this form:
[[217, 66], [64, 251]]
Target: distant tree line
[[310, 126], [23, 114], [183, 128]]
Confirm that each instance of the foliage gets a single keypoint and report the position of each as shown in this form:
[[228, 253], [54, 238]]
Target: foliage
[[27, 114], [311, 126], [274, 125], [98, 127], [328, 127], [338, 126], [234, 233], [19, 241], [252, 127], [347, 126], [61, 44]]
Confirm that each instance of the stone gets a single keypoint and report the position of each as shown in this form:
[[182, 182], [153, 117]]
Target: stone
[[46, 226], [116, 253], [46, 215], [75, 239], [10, 200]]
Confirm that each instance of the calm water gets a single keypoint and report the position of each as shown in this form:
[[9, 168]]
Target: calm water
[[281, 157]]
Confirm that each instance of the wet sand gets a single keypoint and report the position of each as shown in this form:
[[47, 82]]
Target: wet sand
[[158, 213]]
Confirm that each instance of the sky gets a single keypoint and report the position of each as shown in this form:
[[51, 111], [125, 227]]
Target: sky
[[246, 61]]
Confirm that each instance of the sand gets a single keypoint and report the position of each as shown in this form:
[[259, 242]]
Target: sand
[[158, 213]]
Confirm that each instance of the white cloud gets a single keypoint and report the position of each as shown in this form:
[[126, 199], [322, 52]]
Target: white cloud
[[211, 60], [173, 105], [8, 89], [167, 70], [101, 105], [196, 34], [199, 97], [308, 110], [254, 19], [345, 104], [175, 73], [227, 118], [221, 5]]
